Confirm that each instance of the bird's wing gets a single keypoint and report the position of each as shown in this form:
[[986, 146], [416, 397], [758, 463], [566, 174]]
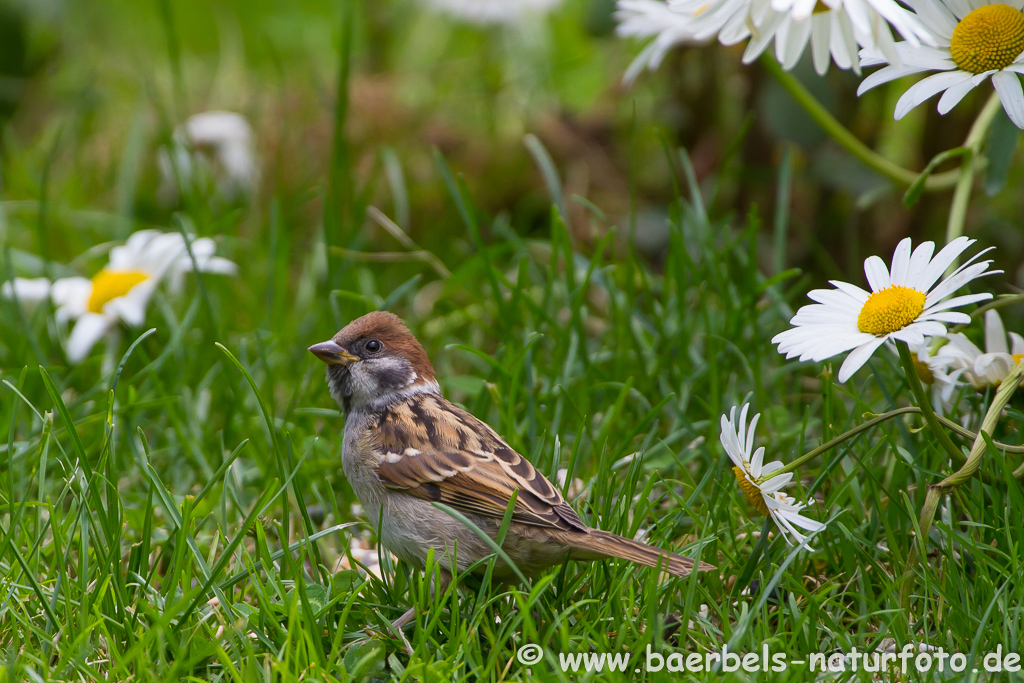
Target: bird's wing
[[434, 450]]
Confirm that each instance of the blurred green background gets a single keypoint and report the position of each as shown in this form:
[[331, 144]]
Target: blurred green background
[[90, 90]]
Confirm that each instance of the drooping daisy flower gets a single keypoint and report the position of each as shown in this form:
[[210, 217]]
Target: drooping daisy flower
[[974, 40], [121, 291], [493, 11], [767, 497], [904, 304], [214, 147], [833, 28], [984, 370]]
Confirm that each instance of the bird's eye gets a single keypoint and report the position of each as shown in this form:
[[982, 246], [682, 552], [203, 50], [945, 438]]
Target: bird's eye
[[374, 346]]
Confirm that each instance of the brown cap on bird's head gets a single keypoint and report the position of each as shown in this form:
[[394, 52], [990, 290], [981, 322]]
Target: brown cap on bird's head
[[356, 340]]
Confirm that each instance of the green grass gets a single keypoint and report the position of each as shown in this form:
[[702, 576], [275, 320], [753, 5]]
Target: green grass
[[174, 507]]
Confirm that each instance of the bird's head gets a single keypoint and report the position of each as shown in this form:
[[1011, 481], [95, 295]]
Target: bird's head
[[373, 361]]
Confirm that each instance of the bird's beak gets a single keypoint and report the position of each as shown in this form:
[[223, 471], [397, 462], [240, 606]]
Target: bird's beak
[[332, 354]]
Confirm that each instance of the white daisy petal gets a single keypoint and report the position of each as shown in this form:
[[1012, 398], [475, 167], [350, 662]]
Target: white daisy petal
[[1007, 84], [757, 462], [877, 273], [922, 90], [958, 280], [955, 93], [901, 263], [776, 483], [858, 357], [943, 260], [71, 296], [950, 317], [919, 260], [28, 291], [1016, 344], [955, 301], [88, 330]]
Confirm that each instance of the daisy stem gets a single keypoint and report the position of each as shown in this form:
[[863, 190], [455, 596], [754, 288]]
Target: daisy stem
[[842, 135], [998, 302], [924, 403], [878, 419], [832, 443], [965, 183], [968, 470]]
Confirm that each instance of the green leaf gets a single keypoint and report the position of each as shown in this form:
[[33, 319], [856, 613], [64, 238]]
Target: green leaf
[[917, 187], [317, 597], [365, 658], [346, 581]]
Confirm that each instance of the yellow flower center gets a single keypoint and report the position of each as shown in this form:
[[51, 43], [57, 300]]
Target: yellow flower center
[[110, 284], [751, 491], [890, 309], [988, 38], [820, 7], [1017, 358]]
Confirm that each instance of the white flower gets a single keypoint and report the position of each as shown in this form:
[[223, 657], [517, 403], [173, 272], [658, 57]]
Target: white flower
[[121, 291], [984, 370], [738, 441], [833, 28], [902, 305], [974, 40], [215, 146], [493, 11]]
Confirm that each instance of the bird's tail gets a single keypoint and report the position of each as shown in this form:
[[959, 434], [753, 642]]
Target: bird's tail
[[596, 544]]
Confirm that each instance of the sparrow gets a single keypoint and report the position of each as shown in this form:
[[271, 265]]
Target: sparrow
[[405, 447]]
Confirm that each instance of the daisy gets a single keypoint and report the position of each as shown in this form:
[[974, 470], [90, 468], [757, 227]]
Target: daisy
[[493, 11], [213, 146], [121, 291], [984, 370], [833, 28], [738, 441], [974, 40], [904, 304]]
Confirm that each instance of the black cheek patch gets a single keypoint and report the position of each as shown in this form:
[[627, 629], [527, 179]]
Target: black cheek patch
[[392, 376]]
